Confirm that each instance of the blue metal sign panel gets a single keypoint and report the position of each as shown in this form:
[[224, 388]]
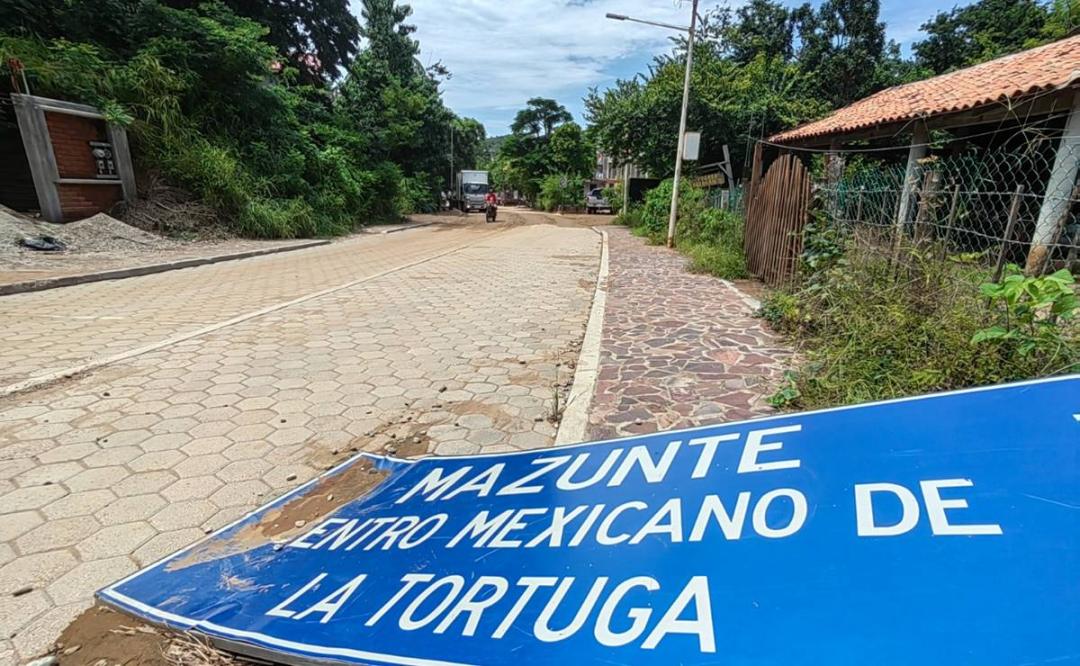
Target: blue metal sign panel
[[936, 530]]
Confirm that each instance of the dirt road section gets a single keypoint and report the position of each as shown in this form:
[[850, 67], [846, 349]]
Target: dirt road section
[[519, 216], [102, 244]]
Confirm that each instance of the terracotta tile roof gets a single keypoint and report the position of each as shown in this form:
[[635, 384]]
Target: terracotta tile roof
[[1055, 65]]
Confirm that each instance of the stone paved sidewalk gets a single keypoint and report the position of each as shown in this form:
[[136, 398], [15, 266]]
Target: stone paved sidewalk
[[108, 472], [678, 349]]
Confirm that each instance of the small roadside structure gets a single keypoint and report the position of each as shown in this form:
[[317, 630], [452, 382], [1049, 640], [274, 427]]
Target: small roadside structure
[[982, 158], [65, 159]]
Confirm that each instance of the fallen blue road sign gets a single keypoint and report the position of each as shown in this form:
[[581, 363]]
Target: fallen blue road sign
[[942, 529]]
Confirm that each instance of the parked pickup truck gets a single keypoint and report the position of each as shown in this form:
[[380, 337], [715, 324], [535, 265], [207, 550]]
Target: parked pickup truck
[[595, 201]]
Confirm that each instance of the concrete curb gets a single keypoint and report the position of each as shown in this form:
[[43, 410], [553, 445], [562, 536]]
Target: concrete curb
[[751, 302], [574, 425], [135, 271], [394, 230]]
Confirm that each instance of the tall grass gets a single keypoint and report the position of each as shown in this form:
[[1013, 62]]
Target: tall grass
[[867, 328]]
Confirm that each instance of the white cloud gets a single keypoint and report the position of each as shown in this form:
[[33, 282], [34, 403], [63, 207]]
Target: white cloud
[[502, 52]]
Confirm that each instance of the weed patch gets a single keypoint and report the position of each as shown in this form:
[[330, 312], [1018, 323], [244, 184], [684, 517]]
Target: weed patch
[[711, 238], [870, 329]]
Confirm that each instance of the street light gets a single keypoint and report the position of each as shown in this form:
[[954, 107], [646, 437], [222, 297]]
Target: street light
[[685, 102], [624, 17]]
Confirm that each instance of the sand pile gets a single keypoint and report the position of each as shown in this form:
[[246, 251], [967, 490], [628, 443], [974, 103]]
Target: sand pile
[[98, 234]]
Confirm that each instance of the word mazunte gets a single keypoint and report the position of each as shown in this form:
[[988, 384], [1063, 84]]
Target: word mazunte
[[455, 604], [616, 467]]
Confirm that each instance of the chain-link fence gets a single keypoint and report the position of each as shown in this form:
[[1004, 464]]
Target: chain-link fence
[[726, 198], [984, 203]]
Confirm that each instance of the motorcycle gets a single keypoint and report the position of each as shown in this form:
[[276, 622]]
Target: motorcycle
[[492, 210]]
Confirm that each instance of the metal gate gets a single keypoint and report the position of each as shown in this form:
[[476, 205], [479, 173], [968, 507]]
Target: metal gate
[[776, 212]]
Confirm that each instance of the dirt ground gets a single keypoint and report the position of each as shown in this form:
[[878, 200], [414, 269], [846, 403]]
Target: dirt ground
[[104, 637], [102, 243], [101, 636], [519, 215]]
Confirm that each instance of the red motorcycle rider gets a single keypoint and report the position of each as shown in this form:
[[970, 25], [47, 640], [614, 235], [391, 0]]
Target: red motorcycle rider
[[491, 201]]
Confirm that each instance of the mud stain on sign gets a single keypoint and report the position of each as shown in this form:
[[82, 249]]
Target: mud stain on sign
[[292, 518]]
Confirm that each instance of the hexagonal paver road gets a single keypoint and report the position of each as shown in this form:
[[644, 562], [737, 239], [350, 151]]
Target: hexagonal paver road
[[107, 472], [48, 331]]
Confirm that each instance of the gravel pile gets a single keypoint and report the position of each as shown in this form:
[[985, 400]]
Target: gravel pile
[[98, 234]]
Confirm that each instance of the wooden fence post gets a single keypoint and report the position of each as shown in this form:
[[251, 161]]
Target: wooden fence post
[[928, 203], [950, 221], [1014, 212]]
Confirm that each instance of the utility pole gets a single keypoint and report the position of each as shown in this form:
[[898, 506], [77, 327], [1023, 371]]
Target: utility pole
[[451, 187], [674, 214], [685, 103]]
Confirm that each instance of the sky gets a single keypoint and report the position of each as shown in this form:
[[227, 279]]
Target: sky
[[502, 52]]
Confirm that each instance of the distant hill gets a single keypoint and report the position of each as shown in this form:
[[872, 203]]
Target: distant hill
[[491, 147]]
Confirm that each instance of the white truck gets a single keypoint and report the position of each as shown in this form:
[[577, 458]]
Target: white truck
[[470, 190]]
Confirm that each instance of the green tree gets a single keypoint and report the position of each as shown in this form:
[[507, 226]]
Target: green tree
[[389, 38], [544, 141], [569, 151], [389, 97], [1063, 21], [638, 120], [842, 46], [216, 108], [318, 36], [539, 117], [761, 27], [983, 31], [469, 140]]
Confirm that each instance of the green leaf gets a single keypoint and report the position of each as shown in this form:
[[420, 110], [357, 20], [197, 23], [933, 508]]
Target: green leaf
[[1065, 306], [1062, 276], [992, 333]]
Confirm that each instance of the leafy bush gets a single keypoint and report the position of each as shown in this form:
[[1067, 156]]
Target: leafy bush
[[714, 242], [559, 191], [712, 238], [417, 196], [655, 211], [630, 217], [823, 244], [614, 197], [869, 330], [1029, 313]]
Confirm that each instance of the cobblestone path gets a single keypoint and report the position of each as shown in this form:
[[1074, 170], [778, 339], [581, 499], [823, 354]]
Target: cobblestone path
[[678, 349]]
